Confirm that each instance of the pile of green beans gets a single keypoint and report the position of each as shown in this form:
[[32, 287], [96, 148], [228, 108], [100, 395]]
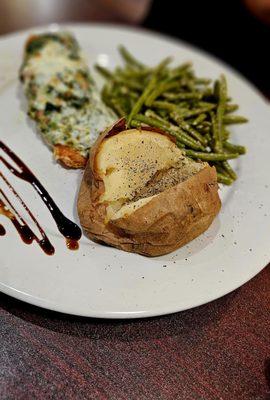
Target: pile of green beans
[[194, 110]]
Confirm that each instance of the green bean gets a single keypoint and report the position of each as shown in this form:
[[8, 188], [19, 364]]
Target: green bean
[[203, 81], [118, 71], [225, 134], [162, 65], [234, 119], [106, 89], [215, 133], [184, 139], [186, 127], [208, 104], [140, 102], [229, 108], [216, 89], [198, 120], [222, 98], [224, 179], [164, 105], [183, 96], [210, 156], [119, 105], [177, 75], [104, 72], [219, 168], [229, 170], [194, 143], [193, 113], [190, 85], [173, 130], [208, 137], [129, 83], [207, 92], [118, 108], [128, 93], [106, 95], [150, 121], [151, 84], [136, 124], [233, 148], [129, 58], [151, 114], [136, 74], [206, 124], [162, 87], [180, 69], [202, 128], [179, 144], [127, 103], [163, 113], [183, 106]]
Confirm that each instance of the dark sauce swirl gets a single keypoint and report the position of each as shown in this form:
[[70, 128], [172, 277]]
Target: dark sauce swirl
[[2, 230], [23, 229], [67, 228]]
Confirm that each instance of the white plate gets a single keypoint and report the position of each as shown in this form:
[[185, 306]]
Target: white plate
[[100, 281]]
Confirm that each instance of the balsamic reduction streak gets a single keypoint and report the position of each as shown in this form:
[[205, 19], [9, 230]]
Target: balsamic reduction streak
[[25, 232], [67, 228], [2, 230]]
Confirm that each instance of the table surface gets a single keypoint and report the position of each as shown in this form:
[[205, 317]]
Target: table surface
[[217, 351]]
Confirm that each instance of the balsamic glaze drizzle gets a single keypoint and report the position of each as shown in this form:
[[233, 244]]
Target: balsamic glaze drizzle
[[2, 230], [67, 228], [25, 232]]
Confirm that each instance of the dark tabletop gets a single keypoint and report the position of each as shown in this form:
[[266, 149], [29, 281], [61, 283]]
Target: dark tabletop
[[217, 351]]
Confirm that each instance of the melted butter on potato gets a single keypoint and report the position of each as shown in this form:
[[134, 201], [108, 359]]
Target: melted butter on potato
[[128, 160]]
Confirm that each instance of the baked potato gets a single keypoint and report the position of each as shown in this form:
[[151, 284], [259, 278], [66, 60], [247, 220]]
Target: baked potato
[[141, 194]]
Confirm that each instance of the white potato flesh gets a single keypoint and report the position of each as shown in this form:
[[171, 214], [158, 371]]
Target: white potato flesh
[[127, 161]]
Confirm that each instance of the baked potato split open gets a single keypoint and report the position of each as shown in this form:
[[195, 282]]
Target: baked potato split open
[[140, 193]]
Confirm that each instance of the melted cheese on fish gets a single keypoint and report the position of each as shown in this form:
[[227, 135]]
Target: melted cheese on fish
[[63, 98]]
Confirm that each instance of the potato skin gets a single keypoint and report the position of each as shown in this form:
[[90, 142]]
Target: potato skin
[[170, 220]]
